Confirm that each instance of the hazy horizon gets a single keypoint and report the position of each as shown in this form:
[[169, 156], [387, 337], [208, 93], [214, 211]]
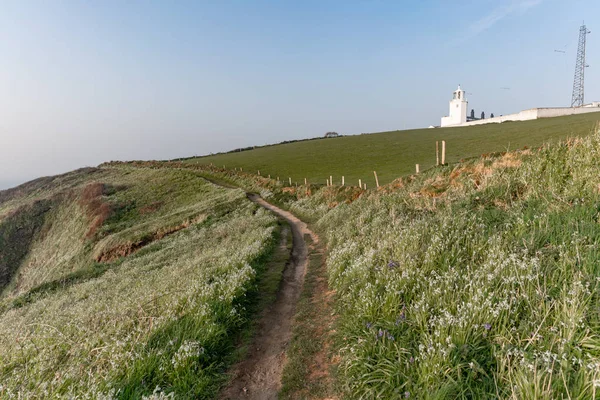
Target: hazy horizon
[[87, 82]]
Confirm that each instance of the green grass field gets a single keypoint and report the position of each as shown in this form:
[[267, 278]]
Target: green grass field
[[473, 281], [394, 154]]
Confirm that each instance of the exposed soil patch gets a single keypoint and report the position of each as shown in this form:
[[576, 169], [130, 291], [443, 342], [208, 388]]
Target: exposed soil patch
[[97, 209], [308, 372], [126, 249], [259, 375]]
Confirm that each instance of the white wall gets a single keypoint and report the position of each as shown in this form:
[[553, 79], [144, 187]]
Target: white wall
[[533, 113], [525, 115], [557, 112]]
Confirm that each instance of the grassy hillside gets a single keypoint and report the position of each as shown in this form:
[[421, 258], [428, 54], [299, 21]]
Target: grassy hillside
[[478, 280], [121, 280], [394, 154], [475, 280], [472, 280]]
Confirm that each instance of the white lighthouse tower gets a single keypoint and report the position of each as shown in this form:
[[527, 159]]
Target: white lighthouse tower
[[458, 109]]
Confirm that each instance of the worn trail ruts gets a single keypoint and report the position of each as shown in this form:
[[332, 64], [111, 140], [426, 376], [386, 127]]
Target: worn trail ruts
[[259, 375]]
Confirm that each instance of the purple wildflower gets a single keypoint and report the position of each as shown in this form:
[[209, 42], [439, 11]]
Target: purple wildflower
[[401, 317], [390, 336], [487, 327], [392, 264], [411, 359], [406, 394], [380, 333], [369, 325]]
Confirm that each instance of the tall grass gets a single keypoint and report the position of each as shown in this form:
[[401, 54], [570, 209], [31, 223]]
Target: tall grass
[[479, 281], [159, 323]]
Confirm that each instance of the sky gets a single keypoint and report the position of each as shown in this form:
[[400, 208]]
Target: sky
[[83, 82]]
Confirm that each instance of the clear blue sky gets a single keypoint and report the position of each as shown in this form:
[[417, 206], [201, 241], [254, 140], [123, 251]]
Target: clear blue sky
[[84, 82]]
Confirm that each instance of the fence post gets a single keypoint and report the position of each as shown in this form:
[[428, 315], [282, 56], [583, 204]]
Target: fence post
[[290, 181], [437, 153], [360, 183], [305, 182], [330, 180], [376, 180], [365, 186], [259, 172], [443, 152], [417, 168], [342, 181]]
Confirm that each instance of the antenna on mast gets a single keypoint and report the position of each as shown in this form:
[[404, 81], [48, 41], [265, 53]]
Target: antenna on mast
[[577, 100]]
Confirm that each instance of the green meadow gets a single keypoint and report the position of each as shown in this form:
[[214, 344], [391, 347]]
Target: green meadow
[[394, 154]]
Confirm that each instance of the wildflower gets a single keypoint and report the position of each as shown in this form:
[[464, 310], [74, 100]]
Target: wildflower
[[411, 359], [392, 264], [187, 350], [390, 336], [401, 317], [380, 333], [406, 394], [487, 327], [369, 325]]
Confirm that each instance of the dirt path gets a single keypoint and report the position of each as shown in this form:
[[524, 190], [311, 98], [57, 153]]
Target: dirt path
[[259, 375]]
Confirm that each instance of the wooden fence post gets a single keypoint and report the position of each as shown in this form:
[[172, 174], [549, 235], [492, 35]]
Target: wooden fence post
[[365, 186], [290, 181], [343, 181], [330, 180], [259, 172], [305, 182], [437, 153], [360, 183], [443, 152], [417, 168], [376, 180]]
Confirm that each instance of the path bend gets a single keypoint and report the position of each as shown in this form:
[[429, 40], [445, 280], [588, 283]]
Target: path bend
[[259, 375]]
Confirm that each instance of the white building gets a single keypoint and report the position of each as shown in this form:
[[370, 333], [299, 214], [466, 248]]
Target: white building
[[458, 109], [458, 112]]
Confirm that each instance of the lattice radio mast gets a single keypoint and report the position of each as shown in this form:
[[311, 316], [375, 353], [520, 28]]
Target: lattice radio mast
[[580, 66]]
